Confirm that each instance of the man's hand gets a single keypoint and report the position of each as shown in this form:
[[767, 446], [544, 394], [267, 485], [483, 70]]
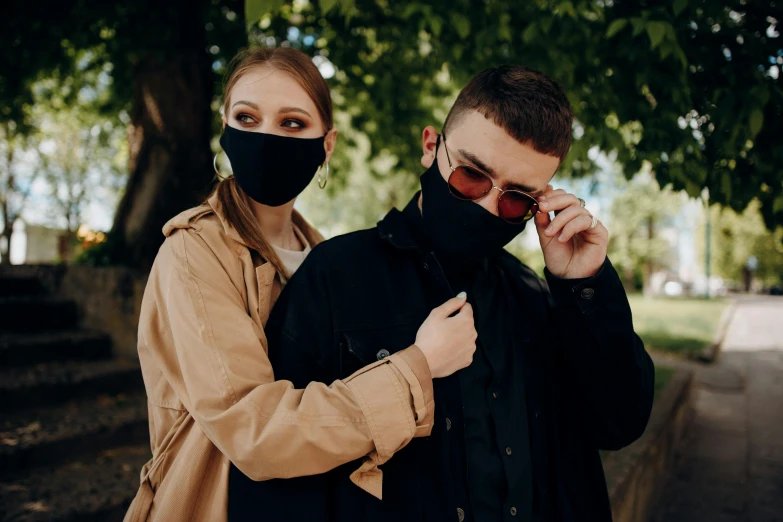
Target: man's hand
[[571, 249]]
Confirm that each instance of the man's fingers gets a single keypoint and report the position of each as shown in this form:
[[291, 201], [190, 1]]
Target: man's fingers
[[558, 202], [563, 218], [576, 225], [452, 305]]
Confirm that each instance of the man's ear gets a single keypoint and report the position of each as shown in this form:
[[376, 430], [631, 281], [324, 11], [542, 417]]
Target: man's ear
[[429, 146]]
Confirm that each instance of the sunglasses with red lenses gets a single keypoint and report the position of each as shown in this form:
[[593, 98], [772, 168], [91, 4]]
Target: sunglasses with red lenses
[[469, 184]]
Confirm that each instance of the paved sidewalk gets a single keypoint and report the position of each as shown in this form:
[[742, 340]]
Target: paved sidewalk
[[731, 469]]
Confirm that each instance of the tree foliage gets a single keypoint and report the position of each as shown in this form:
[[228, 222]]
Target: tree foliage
[[690, 86], [638, 213], [737, 236]]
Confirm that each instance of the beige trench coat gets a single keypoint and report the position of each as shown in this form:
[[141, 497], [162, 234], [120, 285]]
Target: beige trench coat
[[212, 394]]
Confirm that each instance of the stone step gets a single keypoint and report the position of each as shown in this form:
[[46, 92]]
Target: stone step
[[47, 384], [33, 314], [49, 436], [99, 488], [20, 285], [36, 347]]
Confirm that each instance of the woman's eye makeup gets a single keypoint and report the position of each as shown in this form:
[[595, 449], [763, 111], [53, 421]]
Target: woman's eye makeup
[[293, 123], [243, 117]]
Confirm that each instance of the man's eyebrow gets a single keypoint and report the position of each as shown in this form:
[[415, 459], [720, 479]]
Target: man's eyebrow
[[483, 167], [294, 109], [244, 102]]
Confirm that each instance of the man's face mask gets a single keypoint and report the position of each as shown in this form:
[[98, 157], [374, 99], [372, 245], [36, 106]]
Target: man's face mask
[[459, 230]]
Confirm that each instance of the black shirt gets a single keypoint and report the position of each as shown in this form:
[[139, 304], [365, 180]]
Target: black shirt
[[496, 431]]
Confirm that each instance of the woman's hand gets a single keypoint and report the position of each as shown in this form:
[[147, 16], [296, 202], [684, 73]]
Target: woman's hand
[[447, 342]]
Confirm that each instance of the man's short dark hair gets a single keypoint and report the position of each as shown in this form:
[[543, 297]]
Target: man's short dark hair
[[527, 104]]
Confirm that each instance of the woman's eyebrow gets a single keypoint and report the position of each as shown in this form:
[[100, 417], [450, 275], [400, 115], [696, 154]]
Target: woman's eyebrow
[[294, 109], [248, 103]]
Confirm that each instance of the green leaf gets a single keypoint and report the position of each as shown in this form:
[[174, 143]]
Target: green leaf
[[756, 122], [656, 31], [530, 33], [436, 23], [778, 205], [347, 6], [461, 23], [638, 24], [256, 9], [725, 184], [410, 10], [679, 6], [616, 26], [326, 5], [504, 29]]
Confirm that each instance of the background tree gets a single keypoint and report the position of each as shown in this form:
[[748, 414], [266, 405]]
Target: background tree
[[16, 180], [691, 86], [82, 154], [640, 209], [166, 60], [736, 237]]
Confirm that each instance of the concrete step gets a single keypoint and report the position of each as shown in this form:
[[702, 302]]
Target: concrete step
[[37, 347], [47, 384], [99, 488], [34, 314], [49, 436], [11, 286]]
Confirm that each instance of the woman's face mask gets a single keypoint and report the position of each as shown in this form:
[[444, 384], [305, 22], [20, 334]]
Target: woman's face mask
[[271, 169]]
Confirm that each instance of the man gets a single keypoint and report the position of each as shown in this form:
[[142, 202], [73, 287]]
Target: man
[[558, 373]]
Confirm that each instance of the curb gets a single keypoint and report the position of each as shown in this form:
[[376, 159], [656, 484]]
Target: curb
[[637, 474], [711, 353]]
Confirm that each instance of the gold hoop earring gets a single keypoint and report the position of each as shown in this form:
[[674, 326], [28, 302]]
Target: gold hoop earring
[[323, 181], [217, 170]]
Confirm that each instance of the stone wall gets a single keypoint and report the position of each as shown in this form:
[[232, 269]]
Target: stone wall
[[109, 298], [637, 474]]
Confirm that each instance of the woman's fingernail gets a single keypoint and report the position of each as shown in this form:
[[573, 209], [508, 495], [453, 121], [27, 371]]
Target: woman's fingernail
[[561, 238], [541, 198], [544, 204], [462, 295], [548, 230]]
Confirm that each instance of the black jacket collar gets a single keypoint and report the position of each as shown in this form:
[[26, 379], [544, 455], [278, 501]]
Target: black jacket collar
[[403, 229]]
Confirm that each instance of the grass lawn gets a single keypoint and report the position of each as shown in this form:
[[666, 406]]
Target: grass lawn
[[676, 326], [662, 376]]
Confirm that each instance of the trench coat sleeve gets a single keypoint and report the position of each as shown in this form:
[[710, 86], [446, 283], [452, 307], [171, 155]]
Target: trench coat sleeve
[[267, 428], [606, 376]]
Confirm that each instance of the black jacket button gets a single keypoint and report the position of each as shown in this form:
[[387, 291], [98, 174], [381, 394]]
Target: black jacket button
[[587, 293], [382, 354]]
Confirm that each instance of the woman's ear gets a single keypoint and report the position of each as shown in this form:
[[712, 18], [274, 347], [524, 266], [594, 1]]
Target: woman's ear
[[330, 140], [225, 122], [429, 146]]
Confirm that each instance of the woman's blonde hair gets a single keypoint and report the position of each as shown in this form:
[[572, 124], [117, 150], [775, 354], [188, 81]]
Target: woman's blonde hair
[[236, 205]]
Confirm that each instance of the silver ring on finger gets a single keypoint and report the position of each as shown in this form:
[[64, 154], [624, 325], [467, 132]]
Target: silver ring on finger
[[581, 202], [594, 223]]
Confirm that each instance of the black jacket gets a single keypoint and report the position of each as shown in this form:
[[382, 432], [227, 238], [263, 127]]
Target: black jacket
[[588, 382]]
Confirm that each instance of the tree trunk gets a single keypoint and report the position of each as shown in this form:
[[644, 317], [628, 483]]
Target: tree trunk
[[649, 266], [169, 133], [5, 258]]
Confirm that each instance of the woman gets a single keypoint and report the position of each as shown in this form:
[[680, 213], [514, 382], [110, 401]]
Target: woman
[[212, 394]]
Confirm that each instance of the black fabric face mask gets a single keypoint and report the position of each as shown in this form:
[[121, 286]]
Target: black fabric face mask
[[460, 232], [272, 169]]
